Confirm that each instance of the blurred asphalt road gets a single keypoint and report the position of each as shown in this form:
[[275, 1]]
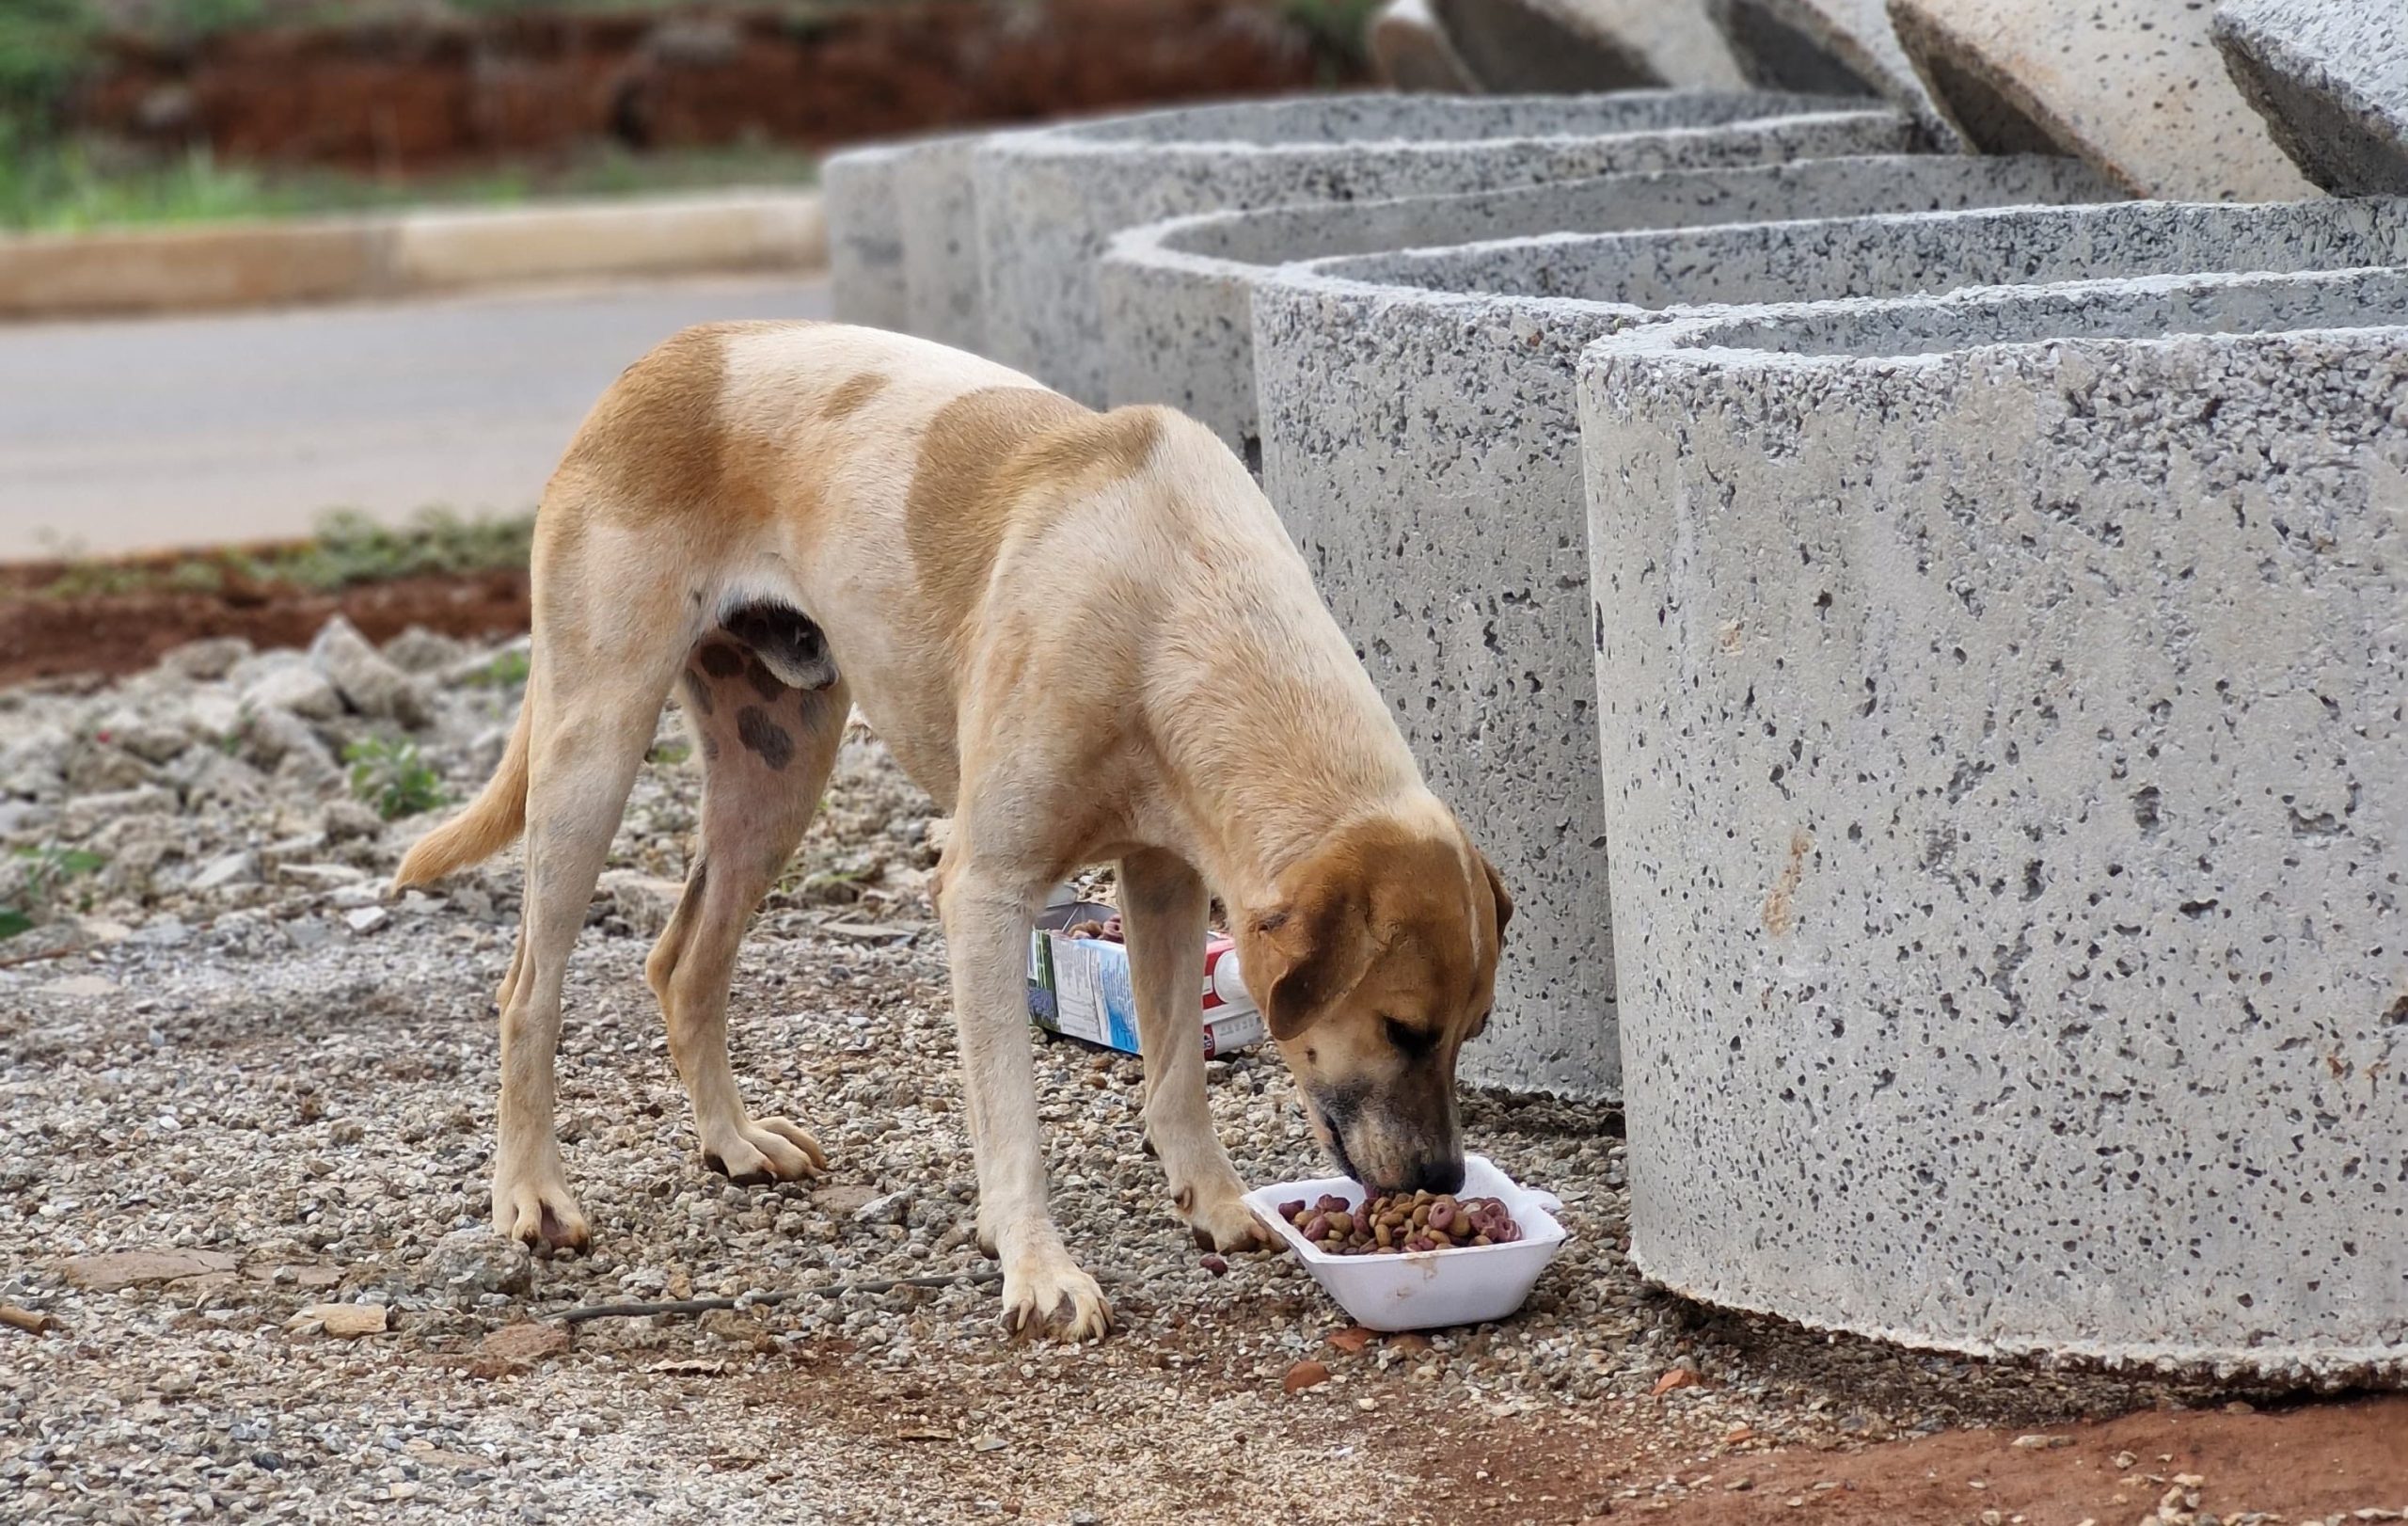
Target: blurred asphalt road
[[124, 435]]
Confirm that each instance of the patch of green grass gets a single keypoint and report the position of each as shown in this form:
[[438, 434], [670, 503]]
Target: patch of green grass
[[392, 778], [1342, 30], [508, 670], [49, 869], [669, 753], [348, 548], [68, 185]]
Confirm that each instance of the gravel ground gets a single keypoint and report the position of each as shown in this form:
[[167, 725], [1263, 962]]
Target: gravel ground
[[237, 1080]]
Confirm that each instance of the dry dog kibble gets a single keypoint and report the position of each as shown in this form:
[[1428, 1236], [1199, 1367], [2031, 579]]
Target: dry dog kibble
[[1401, 1222]]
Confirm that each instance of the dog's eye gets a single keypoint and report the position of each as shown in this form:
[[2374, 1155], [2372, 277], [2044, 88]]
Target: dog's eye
[[1410, 1039]]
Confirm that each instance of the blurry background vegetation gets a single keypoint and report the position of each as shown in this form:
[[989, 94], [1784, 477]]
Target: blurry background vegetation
[[54, 179], [51, 180]]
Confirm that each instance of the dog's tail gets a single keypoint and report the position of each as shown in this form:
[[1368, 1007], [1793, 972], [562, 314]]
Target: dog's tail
[[492, 822]]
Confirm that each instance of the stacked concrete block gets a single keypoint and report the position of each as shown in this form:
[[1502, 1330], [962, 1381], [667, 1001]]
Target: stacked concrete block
[[1417, 418], [2331, 79], [1575, 45], [1048, 202], [2004, 761], [1832, 46], [1177, 295], [2135, 87]]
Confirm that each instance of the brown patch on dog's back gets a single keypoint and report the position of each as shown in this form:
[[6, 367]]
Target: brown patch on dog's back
[[852, 395], [984, 456], [656, 445]]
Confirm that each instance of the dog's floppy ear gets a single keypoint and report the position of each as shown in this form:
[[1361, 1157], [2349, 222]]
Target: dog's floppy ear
[[1496, 888], [1308, 953]]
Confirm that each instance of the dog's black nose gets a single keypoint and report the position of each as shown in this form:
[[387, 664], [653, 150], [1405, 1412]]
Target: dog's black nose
[[1439, 1176]]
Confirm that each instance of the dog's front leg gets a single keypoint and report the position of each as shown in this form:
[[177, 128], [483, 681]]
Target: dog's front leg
[[987, 923], [1164, 904]]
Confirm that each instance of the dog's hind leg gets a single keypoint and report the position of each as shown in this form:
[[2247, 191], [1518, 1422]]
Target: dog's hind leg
[[598, 682], [1164, 905], [766, 751]]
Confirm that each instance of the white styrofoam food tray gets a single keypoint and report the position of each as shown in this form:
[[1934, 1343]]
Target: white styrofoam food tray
[[1423, 1290]]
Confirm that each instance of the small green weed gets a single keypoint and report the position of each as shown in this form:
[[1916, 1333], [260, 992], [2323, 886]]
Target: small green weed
[[508, 670], [49, 869], [671, 753], [392, 778]]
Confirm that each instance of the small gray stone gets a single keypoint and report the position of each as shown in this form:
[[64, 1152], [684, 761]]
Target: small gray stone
[[366, 682], [235, 869], [419, 650], [319, 875], [293, 690], [887, 1209], [212, 657], [468, 1263], [367, 919], [84, 814], [644, 901]]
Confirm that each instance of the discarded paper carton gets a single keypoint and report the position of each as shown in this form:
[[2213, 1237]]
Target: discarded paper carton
[[1079, 987]]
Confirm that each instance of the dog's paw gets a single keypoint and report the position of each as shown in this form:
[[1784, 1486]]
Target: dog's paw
[[1045, 1292], [763, 1151], [542, 1215], [1224, 1223]]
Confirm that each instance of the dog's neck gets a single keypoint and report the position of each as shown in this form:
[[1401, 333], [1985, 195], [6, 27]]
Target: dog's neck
[[1266, 812]]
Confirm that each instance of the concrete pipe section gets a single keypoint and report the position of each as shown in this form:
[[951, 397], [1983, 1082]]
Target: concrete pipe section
[[1177, 295], [1833, 46], [2331, 79], [1570, 45], [903, 237], [2006, 767], [1421, 441], [1049, 201], [865, 234], [2135, 87]]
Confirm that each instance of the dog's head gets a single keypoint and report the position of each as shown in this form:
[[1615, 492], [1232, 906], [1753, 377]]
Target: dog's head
[[1376, 962]]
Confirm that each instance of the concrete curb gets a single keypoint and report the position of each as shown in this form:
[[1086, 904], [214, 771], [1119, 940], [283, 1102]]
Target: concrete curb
[[398, 254], [2000, 698], [1417, 413]]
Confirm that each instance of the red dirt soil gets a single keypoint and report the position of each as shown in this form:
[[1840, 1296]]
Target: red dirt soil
[[2303, 1463], [402, 97], [104, 635]]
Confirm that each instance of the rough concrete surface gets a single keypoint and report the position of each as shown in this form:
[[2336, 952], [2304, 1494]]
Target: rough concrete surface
[[2004, 748], [1575, 45], [942, 286], [2331, 79], [1417, 416], [865, 235], [1177, 295], [2133, 85], [1049, 201], [1831, 46]]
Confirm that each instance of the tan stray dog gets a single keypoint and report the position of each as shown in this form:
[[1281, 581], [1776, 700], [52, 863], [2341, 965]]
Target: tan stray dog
[[1086, 636]]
